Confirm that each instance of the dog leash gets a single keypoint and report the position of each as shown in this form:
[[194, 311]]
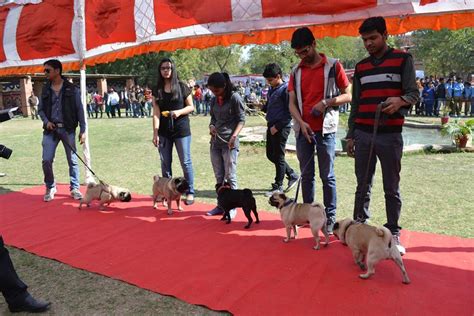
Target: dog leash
[[72, 149], [222, 139], [365, 184], [295, 200]]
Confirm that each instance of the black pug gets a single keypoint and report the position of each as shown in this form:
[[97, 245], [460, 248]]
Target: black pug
[[228, 199]]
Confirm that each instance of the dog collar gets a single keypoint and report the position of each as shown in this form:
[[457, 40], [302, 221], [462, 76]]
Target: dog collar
[[222, 188], [288, 202]]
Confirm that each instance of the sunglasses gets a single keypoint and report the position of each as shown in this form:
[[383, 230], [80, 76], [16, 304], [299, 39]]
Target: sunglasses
[[302, 52]]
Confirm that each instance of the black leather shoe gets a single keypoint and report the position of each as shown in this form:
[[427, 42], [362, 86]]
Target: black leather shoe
[[30, 305]]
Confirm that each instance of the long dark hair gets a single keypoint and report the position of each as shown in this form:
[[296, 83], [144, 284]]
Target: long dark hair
[[221, 80], [160, 84]]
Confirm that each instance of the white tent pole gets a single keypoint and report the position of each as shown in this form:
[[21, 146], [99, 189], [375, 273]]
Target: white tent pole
[[80, 14]]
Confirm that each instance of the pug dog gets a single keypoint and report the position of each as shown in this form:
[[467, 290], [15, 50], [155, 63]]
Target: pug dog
[[104, 193], [293, 214], [369, 243], [168, 190], [228, 198]]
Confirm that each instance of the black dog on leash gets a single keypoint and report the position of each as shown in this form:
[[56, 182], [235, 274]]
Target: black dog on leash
[[228, 199]]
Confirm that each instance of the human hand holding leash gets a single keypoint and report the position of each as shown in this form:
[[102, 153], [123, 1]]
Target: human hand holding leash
[[307, 131], [50, 126], [212, 130], [392, 105], [175, 114], [232, 142]]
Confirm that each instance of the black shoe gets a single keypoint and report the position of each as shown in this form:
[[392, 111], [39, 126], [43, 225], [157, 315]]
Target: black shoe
[[292, 182], [30, 305]]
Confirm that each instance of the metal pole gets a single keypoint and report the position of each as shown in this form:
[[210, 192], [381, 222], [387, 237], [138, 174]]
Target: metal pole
[[81, 20]]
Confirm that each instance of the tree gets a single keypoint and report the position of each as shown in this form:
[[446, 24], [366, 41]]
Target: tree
[[222, 59], [145, 67], [445, 52], [349, 50], [261, 55]]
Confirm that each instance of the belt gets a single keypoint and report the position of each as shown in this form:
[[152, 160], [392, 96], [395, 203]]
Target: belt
[[59, 125]]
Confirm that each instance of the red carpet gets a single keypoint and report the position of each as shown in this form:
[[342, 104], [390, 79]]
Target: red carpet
[[202, 261]]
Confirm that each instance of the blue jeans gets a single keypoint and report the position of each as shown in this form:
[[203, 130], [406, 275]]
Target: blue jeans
[[326, 152], [224, 163], [388, 149], [183, 147], [207, 106], [50, 143]]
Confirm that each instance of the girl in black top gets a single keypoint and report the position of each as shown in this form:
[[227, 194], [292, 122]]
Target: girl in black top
[[171, 106]]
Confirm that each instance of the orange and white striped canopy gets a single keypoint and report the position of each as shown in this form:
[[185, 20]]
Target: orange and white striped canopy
[[98, 31]]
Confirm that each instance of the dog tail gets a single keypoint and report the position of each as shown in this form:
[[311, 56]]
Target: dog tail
[[385, 234]]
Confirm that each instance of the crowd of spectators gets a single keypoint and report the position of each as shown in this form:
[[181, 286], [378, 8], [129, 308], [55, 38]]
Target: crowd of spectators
[[252, 93], [444, 96], [439, 97], [134, 101]]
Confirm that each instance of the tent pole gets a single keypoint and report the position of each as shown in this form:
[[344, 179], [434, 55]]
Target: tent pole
[[81, 19], [85, 147]]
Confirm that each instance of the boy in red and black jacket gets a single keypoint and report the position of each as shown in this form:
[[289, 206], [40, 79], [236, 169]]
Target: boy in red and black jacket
[[387, 76]]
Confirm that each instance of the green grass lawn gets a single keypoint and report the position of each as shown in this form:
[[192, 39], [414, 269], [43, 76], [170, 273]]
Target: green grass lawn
[[437, 193]]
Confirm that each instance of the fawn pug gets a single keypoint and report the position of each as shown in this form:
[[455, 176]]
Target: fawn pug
[[370, 244], [293, 214], [169, 189], [105, 194]]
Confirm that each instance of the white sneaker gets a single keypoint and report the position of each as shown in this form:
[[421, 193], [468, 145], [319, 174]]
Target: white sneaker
[[49, 195], [233, 213], [275, 188], [396, 241], [76, 194]]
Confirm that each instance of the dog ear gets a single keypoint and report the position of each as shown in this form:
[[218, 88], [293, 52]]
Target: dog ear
[[336, 225], [282, 196]]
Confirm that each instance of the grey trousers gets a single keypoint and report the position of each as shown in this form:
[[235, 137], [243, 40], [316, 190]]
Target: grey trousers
[[224, 163], [388, 149]]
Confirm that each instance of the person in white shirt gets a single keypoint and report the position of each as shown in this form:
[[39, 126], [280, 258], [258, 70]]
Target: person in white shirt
[[113, 100]]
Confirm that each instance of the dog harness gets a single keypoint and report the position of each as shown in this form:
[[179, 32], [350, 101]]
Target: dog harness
[[102, 191]]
